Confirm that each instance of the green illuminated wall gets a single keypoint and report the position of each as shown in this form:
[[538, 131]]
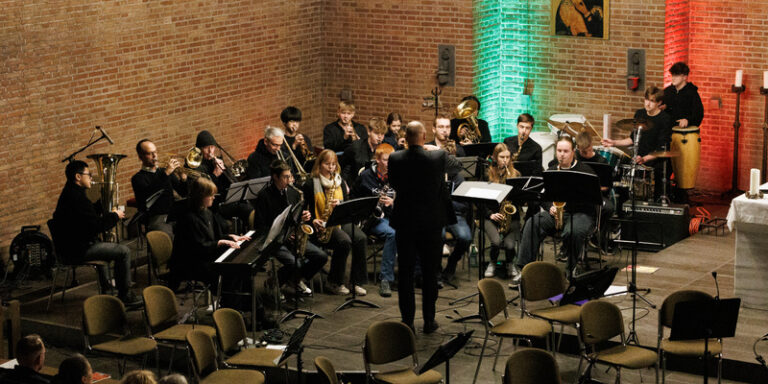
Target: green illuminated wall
[[502, 62]]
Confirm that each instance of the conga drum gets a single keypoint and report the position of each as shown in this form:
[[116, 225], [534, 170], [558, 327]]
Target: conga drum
[[686, 166]]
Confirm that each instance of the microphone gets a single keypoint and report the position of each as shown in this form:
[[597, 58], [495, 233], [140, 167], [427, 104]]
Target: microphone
[[104, 134], [717, 286]]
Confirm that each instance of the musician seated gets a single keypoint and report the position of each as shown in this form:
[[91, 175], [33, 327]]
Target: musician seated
[[586, 153], [462, 234], [78, 224], [482, 125], [271, 201], [201, 237], [340, 134], [374, 182], [441, 129], [543, 223], [30, 354], [300, 144], [522, 144], [269, 149], [152, 179], [654, 136], [360, 153], [323, 192], [502, 229], [394, 124]]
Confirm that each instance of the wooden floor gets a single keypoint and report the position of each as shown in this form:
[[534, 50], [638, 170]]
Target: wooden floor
[[339, 336]]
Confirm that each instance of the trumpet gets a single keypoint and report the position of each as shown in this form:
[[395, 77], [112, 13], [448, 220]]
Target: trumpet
[[355, 137], [559, 210], [468, 131]]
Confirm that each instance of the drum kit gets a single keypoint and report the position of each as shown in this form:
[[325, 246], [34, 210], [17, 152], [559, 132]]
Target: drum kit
[[684, 155]]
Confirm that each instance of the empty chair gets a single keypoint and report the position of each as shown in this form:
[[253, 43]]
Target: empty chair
[[390, 341], [326, 370], [691, 348], [202, 353], [493, 301], [531, 366], [161, 247], [105, 315], [601, 321], [230, 329]]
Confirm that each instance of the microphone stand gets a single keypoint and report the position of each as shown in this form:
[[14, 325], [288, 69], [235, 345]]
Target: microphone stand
[[71, 157]]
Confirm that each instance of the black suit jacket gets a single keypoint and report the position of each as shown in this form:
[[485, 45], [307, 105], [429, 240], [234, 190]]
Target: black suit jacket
[[422, 201], [333, 136], [356, 156]]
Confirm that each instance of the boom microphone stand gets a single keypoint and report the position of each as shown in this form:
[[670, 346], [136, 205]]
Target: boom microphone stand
[[104, 135]]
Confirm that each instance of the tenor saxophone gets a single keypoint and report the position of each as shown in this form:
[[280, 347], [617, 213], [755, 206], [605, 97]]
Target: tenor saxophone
[[303, 230], [325, 235], [559, 210], [507, 210]]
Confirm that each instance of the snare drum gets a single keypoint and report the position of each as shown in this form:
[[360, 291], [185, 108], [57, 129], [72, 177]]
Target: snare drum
[[614, 155], [643, 180]]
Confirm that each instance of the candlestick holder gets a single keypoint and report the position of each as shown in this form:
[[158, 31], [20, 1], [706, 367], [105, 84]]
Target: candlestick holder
[[736, 124], [764, 92], [758, 195]]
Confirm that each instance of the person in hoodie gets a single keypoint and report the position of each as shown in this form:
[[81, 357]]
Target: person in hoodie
[[266, 152]]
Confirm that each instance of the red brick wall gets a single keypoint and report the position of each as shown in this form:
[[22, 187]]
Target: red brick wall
[[159, 69]]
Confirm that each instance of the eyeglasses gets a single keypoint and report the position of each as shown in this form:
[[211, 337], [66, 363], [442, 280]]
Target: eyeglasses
[[85, 174]]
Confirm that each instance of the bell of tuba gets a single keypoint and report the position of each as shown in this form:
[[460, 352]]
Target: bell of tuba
[[468, 131], [106, 167]]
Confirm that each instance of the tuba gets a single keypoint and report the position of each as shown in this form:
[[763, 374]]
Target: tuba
[[468, 131], [559, 210], [325, 235], [507, 210], [106, 165]]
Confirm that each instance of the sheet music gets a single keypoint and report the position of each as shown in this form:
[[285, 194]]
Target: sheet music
[[483, 193], [277, 226], [231, 250]]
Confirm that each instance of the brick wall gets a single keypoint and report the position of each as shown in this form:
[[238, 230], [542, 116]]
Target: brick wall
[[160, 69]]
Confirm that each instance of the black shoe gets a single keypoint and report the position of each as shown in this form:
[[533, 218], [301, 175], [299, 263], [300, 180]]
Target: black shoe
[[130, 299], [561, 256], [430, 327], [440, 284]]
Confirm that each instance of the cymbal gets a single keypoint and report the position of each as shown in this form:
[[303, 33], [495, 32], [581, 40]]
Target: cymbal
[[666, 154], [572, 127], [631, 124]]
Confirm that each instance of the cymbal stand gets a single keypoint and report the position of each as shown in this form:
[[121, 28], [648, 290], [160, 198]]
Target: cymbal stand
[[664, 199], [736, 124]]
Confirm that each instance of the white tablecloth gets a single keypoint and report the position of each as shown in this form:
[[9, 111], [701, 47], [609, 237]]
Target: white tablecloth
[[749, 218]]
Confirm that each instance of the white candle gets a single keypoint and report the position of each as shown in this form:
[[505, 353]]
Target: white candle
[[739, 75], [754, 181], [765, 79], [607, 125]]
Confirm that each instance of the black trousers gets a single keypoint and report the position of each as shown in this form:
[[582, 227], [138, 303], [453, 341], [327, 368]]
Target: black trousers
[[424, 246]]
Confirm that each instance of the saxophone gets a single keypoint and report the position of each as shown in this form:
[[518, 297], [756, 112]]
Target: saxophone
[[507, 210], [303, 230], [325, 235], [517, 154], [559, 210]]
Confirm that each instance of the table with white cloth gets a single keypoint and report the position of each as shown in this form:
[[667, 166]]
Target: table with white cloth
[[749, 218]]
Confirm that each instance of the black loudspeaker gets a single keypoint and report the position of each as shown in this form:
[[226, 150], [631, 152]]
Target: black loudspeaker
[[658, 226]]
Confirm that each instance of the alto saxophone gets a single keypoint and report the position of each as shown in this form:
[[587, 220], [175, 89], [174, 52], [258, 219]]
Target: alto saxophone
[[559, 210], [507, 210], [517, 154], [325, 235], [303, 230]]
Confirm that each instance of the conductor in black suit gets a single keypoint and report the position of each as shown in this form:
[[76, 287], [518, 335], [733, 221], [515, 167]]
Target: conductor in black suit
[[422, 209]]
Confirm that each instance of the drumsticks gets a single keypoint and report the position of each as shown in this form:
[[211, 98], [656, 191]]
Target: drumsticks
[[586, 122]]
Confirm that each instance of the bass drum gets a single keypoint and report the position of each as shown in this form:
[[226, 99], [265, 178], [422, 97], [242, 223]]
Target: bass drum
[[31, 252]]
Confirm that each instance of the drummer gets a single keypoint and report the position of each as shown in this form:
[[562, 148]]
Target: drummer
[[655, 136], [586, 151]]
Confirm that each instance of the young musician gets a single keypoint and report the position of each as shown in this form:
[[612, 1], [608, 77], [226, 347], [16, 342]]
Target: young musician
[[441, 130], [78, 223], [499, 172], [682, 99], [152, 179], [522, 147], [337, 136], [360, 153], [585, 150], [323, 192], [482, 125], [543, 223], [300, 144], [462, 234], [200, 237], [423, 208], [374, 181], [394, 124], [271, 201], [654, 137], [267, 151]]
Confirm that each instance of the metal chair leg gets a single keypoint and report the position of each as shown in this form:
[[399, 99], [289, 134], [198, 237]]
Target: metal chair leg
[[498, 351], [480, 361], [53, 287]]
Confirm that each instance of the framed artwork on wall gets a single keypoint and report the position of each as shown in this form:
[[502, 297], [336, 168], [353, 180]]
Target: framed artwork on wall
[[581, 18]]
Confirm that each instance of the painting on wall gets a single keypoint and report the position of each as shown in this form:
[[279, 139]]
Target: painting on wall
[[581, 18]]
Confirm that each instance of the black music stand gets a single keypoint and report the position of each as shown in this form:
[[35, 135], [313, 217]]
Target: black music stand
[[468, 167], [445, 353], [295, 347], [696, 319], [353, 212], [572, 187], [589, 286], [245, 190], [482, 150], [477, 193], [527, 167]]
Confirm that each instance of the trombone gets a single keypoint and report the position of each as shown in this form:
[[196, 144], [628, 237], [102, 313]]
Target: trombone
[[192, 160], [303, 175], [236, 171]]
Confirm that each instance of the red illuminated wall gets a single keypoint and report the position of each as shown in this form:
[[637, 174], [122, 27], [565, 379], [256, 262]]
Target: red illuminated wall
[[716, 39]]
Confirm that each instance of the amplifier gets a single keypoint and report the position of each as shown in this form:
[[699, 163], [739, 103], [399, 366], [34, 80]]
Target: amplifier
[[659, 226]]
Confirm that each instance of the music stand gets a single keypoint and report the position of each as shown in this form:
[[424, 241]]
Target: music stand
[[477, 193], [352, 212], [480, 149], [527, 167], [589, 286], [295, 347], [575, 188], [245, 190], [604, 172], [696, 319], [445, 353], [468, 167]]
